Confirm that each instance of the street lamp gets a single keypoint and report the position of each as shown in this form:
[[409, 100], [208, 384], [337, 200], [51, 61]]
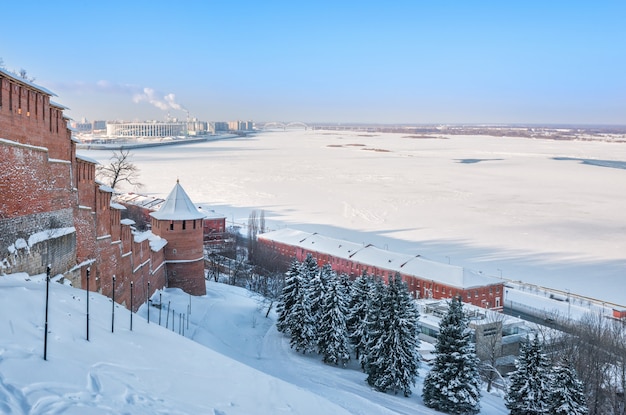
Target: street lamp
[[88, 271], [45, 335], [131, 306], [113, 306], [500, 273]]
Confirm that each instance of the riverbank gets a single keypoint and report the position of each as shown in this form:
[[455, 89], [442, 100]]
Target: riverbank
[[118, 143]]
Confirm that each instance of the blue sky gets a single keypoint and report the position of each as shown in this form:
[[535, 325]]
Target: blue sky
[[327, 61]]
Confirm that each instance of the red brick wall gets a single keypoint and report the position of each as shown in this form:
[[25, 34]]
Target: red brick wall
[[184, 253], [187, 276], [27, 117], [38, 176], [30, 183], [85, 176]]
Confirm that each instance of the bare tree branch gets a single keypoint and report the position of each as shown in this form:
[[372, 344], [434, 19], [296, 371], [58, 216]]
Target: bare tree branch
[[121, 169]]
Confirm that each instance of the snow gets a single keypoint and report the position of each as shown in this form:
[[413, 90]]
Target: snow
[[87, 159], [39, 237], [106, 188], [49, 234], [117, 206], [231, 360], [27, 82], [156, 242], [15, 143], [528, 210], [178, 206]]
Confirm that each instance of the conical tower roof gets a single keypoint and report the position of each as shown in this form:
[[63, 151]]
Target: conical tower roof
[[178, 206]]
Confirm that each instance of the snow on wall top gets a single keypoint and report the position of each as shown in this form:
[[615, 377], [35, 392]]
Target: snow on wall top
[[156, 242], [417, 266], [178, 206], [87, 159], [27, 82]]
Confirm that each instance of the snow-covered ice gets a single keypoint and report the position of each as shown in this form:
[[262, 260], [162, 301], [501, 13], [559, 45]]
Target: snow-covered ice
[[546, 212]]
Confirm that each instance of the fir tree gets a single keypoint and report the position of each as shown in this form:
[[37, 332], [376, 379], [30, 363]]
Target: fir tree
[[317, 290], [302, 324], [393, 361], [357, 313], [567, 396], [397, 365], [453, 383], [333, 342], [530, 382], [374, 322], [309, 268], [289, 296]]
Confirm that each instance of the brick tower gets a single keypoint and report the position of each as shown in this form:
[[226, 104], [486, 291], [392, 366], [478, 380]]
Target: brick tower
[[180, 223]]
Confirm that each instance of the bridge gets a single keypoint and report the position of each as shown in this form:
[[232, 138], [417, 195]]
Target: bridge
[[284, 125]]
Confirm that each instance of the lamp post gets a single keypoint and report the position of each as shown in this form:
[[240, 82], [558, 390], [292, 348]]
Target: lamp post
[[131, 306], [148, 302], [160, 307], [45, 335], [568, 304], [88, 272], [113, 306], [500, 273]]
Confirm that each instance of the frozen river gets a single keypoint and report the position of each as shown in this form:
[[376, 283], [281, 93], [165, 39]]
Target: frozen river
[[547, 212]]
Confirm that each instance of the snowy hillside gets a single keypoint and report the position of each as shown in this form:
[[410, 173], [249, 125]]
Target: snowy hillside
[[231, 359]]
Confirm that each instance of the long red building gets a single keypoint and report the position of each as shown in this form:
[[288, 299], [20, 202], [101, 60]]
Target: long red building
[[425, 278]]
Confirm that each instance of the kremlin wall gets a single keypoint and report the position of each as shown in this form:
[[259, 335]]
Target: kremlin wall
[[54, 212]]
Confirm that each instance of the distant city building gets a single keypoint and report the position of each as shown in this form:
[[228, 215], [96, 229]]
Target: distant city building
[[82, 127], [146, 129], [218, 126], [195, 127], [99, 125], [240, 125]]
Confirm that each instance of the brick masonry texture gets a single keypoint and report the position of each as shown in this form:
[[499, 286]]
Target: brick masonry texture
[[43, 186]]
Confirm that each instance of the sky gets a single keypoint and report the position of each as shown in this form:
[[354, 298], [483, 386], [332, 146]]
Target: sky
[[324, 61]]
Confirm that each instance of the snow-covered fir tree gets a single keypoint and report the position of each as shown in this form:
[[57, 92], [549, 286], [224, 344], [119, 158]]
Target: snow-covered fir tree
[[530, 382], [375, 322], [302, 323], [333, 342], [566, 396], [317, 290], [357, 313], [453, 383], [393, 359], [289, 296], [309, 268]]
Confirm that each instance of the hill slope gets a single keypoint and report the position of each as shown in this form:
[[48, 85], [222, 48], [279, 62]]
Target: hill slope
[[231, 359]]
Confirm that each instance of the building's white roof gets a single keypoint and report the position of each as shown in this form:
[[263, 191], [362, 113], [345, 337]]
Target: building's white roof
[[451, 275], [178, 206]]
